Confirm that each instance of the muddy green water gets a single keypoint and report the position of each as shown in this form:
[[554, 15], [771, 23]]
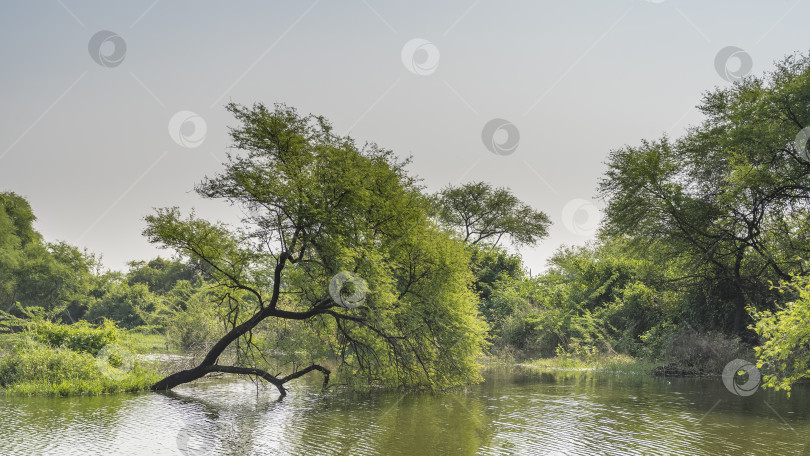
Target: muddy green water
[[515, 411]]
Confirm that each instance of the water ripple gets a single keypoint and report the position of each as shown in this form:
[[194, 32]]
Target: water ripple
[[513, 412]]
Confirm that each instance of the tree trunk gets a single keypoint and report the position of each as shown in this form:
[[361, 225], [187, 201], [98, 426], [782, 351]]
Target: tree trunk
[[739, 297], [200, 371], [209, 363], [178, 378], [739, 311]]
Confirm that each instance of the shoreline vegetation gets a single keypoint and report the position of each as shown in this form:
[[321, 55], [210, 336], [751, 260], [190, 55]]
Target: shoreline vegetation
[[30, 366], [48, 359], [51, 359], [83, 380]]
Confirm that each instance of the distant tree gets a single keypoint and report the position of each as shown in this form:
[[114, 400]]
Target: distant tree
[[55, 277], [123, 303], [159, 274], [339, 257], [10, 250], [78, 268], [480, 213], [494, 268], [20, 218]]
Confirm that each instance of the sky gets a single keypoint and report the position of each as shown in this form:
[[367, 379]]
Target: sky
[[111, 109]]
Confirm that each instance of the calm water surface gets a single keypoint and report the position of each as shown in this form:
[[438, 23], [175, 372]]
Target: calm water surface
[[515, 411]]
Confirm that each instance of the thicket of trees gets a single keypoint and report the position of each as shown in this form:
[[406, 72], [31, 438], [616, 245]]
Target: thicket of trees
[[699, 232], [64, 284], [344, 260]]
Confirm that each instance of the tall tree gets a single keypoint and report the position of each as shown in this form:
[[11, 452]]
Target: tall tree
[[338, 245], [481, 213], [732, 194]]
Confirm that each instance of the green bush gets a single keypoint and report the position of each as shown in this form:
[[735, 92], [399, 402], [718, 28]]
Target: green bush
[[35, 368], [690, 351], [125, 304], [785, 333], [79, 337], [196, 327], [536, 332]]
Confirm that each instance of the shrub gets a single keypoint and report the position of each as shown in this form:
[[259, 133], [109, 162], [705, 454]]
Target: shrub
[[196, 327], [692, 352], [32, 367], [785, 351], [79, 337], [127, 305], [536, 332]]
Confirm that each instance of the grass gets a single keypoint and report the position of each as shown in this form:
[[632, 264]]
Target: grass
[[144, 343], [30, 367], [605, 363]]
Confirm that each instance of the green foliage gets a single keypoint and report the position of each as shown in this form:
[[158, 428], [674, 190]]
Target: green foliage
[[193, 323], [729, 199], [690, 351], [536, 332], [315, 205], [128, 305], [33, 368], [76, 268], [80, 337], [55, 277], [480, 213], [498, 281], [785, 350], [591, 301], [17, 220], [160, 275]]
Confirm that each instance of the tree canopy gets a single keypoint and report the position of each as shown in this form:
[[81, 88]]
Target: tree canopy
[[56, 277], [481, 213], [730, 198], [323, 212]]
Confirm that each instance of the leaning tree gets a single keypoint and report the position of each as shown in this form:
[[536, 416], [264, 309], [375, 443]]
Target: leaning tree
[[337, 265]]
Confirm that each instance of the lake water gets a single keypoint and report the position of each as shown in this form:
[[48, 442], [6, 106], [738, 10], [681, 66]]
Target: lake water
[[515, 411]]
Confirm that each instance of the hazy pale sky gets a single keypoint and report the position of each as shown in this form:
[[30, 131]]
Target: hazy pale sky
[[112, 108]]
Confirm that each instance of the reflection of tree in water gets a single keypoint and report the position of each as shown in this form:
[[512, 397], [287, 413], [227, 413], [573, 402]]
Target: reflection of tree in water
[[220, 426], [514, 412], [388, 423]]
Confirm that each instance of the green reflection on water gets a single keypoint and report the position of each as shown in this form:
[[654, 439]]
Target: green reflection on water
[[515, 411]]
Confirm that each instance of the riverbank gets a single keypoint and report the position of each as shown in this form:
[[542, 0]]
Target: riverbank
[[616, 364], [31, 366]]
